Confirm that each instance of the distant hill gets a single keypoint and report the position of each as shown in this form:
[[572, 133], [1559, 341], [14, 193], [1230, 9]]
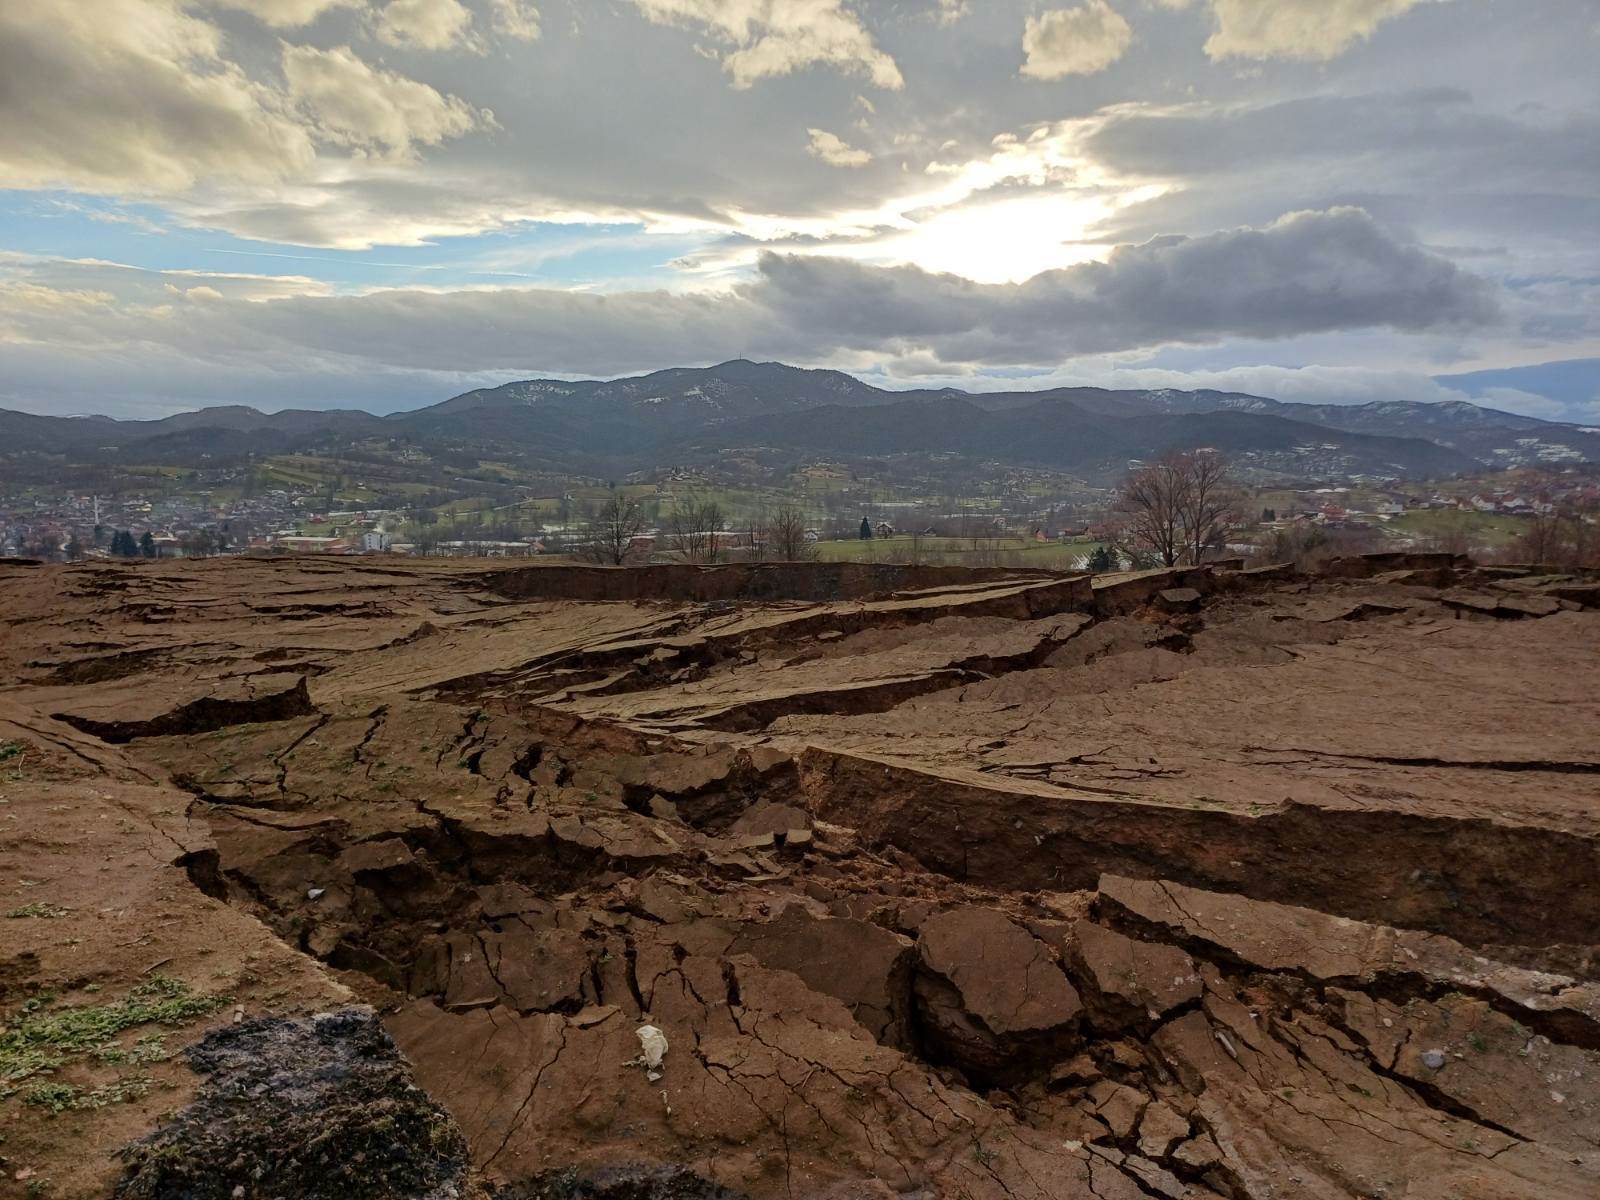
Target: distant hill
[[689, 415], [1493, 437], [225, 428], [1058, 433], [732, 389]]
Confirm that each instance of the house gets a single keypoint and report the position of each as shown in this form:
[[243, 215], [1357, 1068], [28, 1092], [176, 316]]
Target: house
[[487, 549], [883, 529], [376, 541], [307, 545]]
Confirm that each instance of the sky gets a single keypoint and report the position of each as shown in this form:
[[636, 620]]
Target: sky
[[383, 203]]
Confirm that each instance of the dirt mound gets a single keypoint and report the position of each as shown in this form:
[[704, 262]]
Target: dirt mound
[[1191, 884]]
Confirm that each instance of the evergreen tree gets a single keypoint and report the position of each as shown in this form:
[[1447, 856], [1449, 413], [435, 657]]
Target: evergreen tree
[[1101, 560], [147, 544], [866, 530]]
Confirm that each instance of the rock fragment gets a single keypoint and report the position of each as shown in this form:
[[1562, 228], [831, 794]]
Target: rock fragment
[[990, 996], [1126, 982]]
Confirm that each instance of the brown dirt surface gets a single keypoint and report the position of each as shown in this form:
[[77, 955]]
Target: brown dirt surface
[[359, 877]]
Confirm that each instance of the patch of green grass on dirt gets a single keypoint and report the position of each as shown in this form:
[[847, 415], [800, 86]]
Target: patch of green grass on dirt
[[38, 909], [57, 1098], [151, 1048], [39, 1039]]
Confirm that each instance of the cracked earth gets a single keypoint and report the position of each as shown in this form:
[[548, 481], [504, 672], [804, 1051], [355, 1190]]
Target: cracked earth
[[1208, 883]]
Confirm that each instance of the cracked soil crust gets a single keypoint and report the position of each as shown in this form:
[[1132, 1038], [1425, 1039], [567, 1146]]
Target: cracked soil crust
[[1201, 883]]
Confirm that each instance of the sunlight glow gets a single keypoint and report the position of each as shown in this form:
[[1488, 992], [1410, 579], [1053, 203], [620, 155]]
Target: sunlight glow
[[1032, 204]]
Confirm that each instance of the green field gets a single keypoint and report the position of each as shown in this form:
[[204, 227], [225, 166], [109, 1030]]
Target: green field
[[1488, 530]]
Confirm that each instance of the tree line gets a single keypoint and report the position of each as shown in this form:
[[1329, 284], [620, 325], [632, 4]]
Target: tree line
[[125, 545], [696, 530]]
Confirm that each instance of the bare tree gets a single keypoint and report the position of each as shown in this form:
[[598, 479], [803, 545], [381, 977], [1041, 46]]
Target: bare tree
[[200, 543], [1585, 516], [757, 537], [1150, 510], [612, 531], [697, 530], [786, 534], [1177, 508], [1210, 504], [1563, 536]]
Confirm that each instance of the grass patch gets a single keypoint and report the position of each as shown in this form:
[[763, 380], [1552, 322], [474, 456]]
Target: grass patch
[[39, 1039], [38, 909], [151, 1048], [57, 1098], [10, 750], [1481, 530]]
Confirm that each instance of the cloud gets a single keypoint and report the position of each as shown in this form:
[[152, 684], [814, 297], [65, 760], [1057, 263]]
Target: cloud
[[1074, 41], [133, 96], [1307, 273], [1308, 30], [370, 109], [835, 152], [516, 19], [286, 14], [154, 106], [1415, 126], [1528, 404], [1462, 173], [424, 24], [778, 37], [1571, 385]]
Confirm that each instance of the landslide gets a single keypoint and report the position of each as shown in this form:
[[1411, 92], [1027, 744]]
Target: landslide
[[926, 935]]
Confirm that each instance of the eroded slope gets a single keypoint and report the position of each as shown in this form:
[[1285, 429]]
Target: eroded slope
[[1207, 884]]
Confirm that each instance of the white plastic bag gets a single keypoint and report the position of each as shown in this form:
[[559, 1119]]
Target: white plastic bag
[[652, 1047]]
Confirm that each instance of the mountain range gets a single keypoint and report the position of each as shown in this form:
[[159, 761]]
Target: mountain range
[[690, 416]]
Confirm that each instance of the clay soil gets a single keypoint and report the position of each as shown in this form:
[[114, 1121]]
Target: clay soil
[[375, 878]]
